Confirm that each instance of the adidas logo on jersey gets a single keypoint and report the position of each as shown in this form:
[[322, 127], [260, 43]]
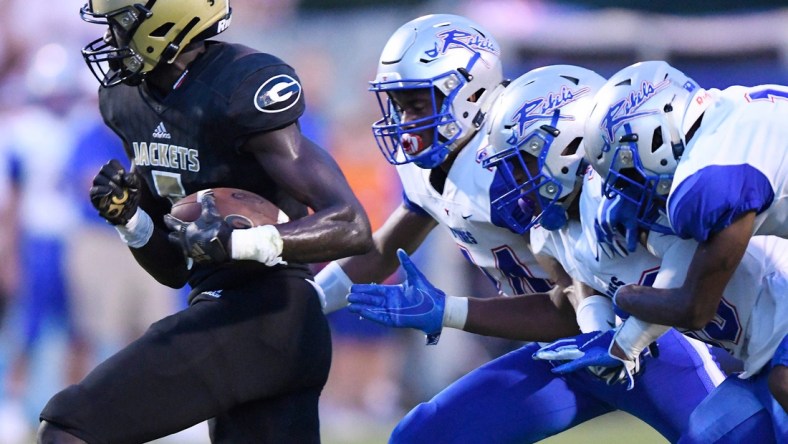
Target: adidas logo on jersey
[[161, 133]]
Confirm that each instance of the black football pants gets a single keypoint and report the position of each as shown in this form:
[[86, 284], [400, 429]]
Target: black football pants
[[254, 359]]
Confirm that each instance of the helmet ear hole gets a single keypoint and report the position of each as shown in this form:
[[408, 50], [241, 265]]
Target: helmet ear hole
[[656, 139], [481, 32], [162, 30], [574, 80], [473, 98], [572, 147]]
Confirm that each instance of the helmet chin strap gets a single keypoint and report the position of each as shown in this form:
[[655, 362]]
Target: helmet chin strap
[[169, 52], [553, 217], [675, 138]]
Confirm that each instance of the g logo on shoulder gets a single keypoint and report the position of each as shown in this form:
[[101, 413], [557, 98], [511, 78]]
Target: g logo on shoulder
[[277, 94]]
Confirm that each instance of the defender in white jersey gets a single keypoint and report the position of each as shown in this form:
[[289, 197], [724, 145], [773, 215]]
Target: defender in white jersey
[[721, 284], [535, 146], [463, 207], [437, 77]]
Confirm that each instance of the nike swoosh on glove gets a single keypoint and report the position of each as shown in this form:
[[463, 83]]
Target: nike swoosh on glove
[[590, 350], [415, 303]]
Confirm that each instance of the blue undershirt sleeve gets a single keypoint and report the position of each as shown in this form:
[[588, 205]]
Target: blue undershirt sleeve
[[714, 197]]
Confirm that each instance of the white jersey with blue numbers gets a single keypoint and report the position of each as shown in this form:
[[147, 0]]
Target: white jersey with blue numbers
[[752, 317], [575, 248], [464, 209], [736, 162]]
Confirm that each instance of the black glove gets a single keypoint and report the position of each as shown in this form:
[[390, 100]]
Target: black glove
[[115, 193], [207, 239]]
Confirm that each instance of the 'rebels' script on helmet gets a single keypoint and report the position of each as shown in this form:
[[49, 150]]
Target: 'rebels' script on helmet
[[535, 144], [637, 133], [143, 35]]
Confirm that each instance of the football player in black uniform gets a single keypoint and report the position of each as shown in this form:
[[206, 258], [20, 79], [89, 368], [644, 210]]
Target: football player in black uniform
[[252, 351]]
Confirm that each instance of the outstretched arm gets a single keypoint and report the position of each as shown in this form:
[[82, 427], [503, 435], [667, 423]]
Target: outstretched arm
[[404, 229], [416, 303], [532, 317], [695, 302]]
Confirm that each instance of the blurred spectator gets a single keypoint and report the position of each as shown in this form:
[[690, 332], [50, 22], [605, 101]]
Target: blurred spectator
[[12, 422], [38, 139], [61, 290]]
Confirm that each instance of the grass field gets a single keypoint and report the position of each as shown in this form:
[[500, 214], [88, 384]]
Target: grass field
[[613, 428]]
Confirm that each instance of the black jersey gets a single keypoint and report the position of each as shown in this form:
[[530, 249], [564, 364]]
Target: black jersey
[[190, 139]]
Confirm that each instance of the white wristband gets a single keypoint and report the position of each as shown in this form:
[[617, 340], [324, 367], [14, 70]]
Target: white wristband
[[455, 312], [595, 313], [262, 244], [138, 230], [635, 335], [335, 284]]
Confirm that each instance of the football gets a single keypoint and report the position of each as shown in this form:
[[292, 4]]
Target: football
[[240, 208]]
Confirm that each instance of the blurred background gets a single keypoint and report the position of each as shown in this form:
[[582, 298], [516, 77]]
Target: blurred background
[[70, 293]]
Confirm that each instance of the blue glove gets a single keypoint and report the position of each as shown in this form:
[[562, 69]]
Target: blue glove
[[616, 223], [590, 350], [415, 303], [565, 349]]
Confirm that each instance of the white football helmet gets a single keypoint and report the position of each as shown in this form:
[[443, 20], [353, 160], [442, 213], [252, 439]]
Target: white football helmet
[[143, 34], [638, 130], [538, 121], [459, 63]]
